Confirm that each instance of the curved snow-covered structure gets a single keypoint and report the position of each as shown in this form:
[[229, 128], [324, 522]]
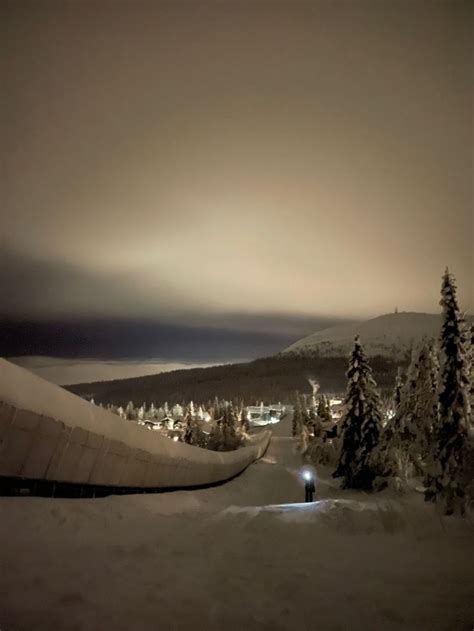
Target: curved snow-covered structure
[[47, 433]]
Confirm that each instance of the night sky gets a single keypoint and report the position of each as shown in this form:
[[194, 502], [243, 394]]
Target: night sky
[[217, 179]]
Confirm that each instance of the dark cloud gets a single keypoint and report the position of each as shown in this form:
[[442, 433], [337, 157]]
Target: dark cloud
[[255, 168], [34, 291], [115, 339], [34, 287]]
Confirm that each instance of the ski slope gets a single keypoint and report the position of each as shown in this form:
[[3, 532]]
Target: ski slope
[[245, 555]]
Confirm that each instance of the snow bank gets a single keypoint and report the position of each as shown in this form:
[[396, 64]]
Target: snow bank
[[51, 434], [358, 517]]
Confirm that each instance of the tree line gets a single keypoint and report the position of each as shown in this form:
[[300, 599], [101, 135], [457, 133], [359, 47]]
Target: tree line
[[426, 432], [218, 425], [268, 379]]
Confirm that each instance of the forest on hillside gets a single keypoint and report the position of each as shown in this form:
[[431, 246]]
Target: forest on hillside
[[270, 379]]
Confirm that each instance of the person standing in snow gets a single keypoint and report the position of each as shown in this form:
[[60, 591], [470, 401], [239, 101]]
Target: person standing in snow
[[309, 487]]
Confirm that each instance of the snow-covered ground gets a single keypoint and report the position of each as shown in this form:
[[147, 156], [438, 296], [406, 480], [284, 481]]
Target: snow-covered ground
[[245, 555]]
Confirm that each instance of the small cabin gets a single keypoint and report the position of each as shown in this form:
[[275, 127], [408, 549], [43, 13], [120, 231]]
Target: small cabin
[[263, 415]]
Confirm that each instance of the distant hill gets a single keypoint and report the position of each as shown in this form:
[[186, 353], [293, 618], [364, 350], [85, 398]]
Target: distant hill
[[270, 380], [322, 356], [390, 335]]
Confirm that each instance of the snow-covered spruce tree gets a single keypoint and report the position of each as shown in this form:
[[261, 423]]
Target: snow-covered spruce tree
[[470, 440], [406, 436], [223, 436], [397, 393], [393, 446], [303, 423], [177, 411], [408, 392], [297, 417], [418, 426], [323, 410], [217, 410], [446, 481], [313, 423], [193, 434], [188, 431], [230, 422], [307, 413], [328, 408], [361, 425], [244, 420], [130, 413], [304, 439], [216, 437], [470, 355], [320, 450], [313, 441]]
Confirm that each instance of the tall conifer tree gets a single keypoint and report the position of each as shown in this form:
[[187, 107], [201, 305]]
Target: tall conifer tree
[[446, 479], [297, 416], [361, 424]]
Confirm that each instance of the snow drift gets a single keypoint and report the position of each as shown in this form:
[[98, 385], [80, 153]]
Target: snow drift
[[47, 433]]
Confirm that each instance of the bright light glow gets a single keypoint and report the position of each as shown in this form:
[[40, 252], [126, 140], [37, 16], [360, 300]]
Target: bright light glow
[[175, 438], [307, 475]]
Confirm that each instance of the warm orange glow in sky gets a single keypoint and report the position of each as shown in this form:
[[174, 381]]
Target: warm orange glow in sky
[[236, 157]]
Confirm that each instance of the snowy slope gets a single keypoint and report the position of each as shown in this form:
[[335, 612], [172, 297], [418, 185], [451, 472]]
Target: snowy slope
[[245, 555], [391, 335]]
